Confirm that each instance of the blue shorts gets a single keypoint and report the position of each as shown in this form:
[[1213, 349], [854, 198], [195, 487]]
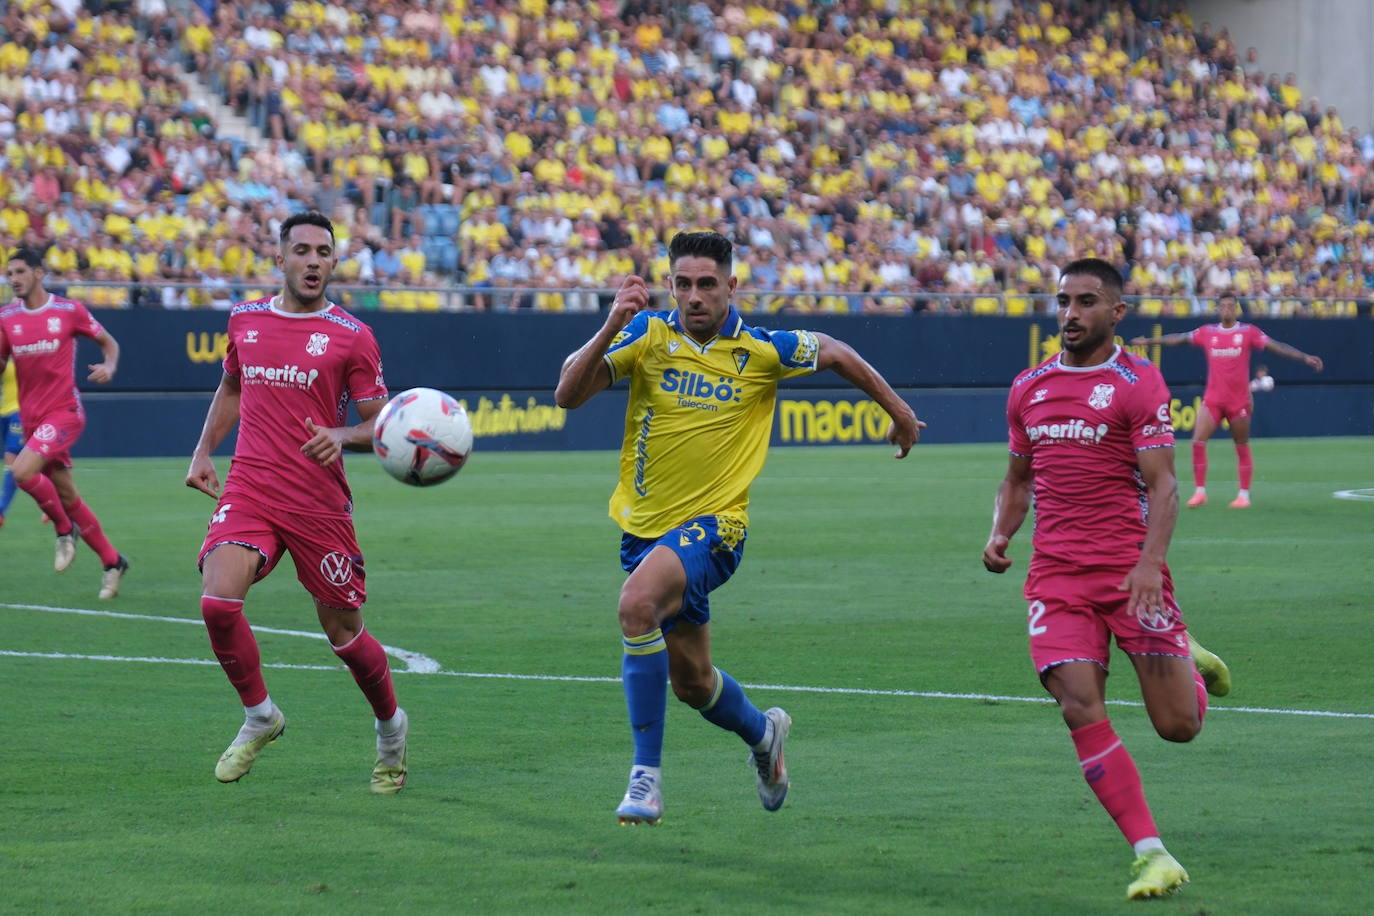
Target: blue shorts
[[14, 434], [710, 548]]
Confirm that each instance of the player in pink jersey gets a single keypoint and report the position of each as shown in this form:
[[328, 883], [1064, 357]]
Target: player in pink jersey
[[38, 331], [293, 359], [1091, 443], [1228, 346]]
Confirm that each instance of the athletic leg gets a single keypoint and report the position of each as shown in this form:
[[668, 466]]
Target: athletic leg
[[111, 561], [8, 487], [1245, 463], [651, 595], [367, 661], [28, 474], [1206, 425], [227, 572]]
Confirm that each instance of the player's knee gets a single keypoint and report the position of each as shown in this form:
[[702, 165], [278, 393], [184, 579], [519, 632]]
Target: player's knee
[[1078, 711], [1180, 730], [220, 613], [638, 612], [694, 690], [23, 473]]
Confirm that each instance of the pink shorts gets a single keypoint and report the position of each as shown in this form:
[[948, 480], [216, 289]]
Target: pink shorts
[[328, 561], [1228, 410], [54, 435], [1074, 613]]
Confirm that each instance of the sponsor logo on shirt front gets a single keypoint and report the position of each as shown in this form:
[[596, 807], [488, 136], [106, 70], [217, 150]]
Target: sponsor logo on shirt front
[[1227, 351], [1067, 431], [250, 336], [1039, 395], [281, 376], [698, 391], [38, 346]]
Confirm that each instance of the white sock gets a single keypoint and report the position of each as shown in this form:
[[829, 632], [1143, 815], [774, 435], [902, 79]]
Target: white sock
[[389, 727], [1243, 494], [262, 711], [767, 739], [1149, 844], [1202, 490]]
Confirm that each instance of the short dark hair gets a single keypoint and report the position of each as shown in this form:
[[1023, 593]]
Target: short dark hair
[[29, 255], [1232, 296], [711, 245], [1096, 267], [308, 218]]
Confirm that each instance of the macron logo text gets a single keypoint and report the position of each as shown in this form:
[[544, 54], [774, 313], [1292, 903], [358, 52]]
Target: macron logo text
[[285, 376]]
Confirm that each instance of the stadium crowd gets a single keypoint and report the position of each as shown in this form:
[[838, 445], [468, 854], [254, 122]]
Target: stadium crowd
[[863, 155]]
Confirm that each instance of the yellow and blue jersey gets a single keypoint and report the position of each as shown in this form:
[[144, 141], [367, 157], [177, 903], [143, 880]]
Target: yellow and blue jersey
[[9, 391], [699, 417]]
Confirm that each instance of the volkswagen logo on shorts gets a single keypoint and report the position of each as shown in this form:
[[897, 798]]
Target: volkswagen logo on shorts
[[337, 568], [1159, 620]]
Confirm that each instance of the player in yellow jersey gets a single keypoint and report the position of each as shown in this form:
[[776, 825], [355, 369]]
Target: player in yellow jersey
[[702, 390], [12, 433]]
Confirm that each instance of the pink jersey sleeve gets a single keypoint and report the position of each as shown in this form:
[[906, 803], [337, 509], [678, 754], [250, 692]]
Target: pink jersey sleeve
[[365, 381], [1258, 339], [1147, 412], [84, 323], [1018, 443], [231, 354], [1194, 337]]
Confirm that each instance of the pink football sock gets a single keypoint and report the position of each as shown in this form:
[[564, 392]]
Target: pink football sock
[[1112, 776], [1199, 463], [41, 488], [366, 658], [235, 646], [1246, 465], [91, 532]]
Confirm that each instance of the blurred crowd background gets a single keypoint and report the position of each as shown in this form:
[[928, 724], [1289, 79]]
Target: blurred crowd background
[[867, 156]]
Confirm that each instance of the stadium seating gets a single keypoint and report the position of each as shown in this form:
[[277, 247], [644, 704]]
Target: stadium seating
[[882, 153]]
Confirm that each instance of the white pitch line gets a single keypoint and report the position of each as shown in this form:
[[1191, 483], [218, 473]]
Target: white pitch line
[[1364, 494], [414, 661], [785, 688]]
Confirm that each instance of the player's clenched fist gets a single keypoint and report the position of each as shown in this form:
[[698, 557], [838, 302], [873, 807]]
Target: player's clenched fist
[[630, 300]]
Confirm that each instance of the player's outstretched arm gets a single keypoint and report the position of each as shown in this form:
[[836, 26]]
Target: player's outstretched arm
[[584, 373], [1283, 349], [905, 430], [1145, 581], [104, 372], [327, 444], [1008, 512], [1168, 340], [221, 417]]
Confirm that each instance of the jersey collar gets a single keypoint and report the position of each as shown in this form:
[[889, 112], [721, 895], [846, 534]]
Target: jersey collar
[[733, 326], [1116, 352]]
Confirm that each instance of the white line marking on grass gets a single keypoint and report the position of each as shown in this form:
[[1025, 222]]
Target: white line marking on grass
[[1363, 494], [414, 661], [429, 666]]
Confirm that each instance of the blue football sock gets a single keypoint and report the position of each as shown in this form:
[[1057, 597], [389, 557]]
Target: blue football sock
[[7, 491], [644, 675], [730, 709]]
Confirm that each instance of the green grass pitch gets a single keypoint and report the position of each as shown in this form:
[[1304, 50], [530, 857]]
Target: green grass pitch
[[861, 606]]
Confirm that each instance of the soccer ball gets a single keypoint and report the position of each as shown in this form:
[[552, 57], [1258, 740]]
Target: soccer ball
[[422, 437]]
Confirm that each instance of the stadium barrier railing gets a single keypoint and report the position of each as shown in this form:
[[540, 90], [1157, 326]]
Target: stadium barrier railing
[[223, 293]]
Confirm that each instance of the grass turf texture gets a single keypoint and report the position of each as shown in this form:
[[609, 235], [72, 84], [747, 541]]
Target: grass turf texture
[[860, 572]]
